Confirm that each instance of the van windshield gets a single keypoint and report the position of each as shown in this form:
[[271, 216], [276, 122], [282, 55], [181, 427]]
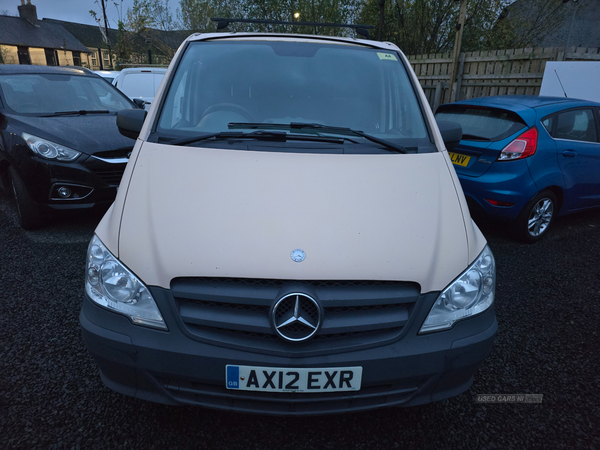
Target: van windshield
[[284, 82]]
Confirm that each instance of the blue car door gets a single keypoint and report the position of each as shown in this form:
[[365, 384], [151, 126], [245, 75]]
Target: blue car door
[[576, 135]]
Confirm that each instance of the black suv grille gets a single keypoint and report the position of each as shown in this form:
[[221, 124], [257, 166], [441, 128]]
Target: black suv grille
[[237, 311], [111, 177], [109, 165]]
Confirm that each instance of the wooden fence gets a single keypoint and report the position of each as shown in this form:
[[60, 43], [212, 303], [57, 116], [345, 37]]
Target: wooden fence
[[495, 72]]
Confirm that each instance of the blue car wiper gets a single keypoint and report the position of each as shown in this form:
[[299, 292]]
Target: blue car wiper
[[319, 128], [81, 112], [473, 137]]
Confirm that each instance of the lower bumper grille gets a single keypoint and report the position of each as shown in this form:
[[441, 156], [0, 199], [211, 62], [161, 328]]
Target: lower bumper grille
[[286, 403], [111, 177]]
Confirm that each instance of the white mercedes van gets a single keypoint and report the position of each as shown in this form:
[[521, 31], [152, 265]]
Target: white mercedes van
[[289, 236], [139, 82]]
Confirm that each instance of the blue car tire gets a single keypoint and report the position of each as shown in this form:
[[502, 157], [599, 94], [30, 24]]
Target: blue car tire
[[537, 217]]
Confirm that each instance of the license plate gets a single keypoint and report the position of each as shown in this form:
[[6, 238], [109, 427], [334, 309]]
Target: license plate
[[285, 379], [458, 159]]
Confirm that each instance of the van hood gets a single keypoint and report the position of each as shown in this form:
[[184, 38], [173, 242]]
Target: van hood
[[199, 212]]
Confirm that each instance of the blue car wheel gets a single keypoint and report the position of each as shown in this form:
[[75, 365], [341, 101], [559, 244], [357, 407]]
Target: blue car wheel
[[537, 216]]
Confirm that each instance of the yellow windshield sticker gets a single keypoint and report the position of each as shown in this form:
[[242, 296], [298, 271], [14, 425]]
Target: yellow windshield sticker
[[387, 56]]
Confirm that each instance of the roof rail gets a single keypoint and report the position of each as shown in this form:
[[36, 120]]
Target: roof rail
[[137, 65], [362, 30]]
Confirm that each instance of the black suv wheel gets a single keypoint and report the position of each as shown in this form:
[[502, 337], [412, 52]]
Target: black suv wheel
[[28, 211]]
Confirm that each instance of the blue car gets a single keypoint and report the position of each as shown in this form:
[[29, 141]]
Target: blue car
[[527, 159]]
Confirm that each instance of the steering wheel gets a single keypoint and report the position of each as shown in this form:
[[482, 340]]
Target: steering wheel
[[232, 107], [576, 135]]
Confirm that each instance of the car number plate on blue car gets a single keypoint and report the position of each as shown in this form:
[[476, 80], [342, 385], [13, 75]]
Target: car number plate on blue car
[[285, 379], [458, 159]]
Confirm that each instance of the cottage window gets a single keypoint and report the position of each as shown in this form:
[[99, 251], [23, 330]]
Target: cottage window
[[23, 53], [51, 59]]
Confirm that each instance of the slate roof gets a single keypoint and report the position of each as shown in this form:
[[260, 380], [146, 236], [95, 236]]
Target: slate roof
[[89, 35], [18, 31], [171, 38], [581, 20]]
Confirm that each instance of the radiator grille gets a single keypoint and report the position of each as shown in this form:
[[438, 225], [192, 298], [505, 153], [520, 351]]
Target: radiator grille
[[237, 311]]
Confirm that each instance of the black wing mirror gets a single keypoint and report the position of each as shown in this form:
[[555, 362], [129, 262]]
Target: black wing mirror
[[130, 122], [451, 133], [140, 103]]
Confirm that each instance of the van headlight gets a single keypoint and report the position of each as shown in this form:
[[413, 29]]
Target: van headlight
[[110, 284], [470, 294]]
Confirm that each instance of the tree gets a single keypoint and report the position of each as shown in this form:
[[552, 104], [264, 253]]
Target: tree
[[161, 13], [144, 14], [195, 14], [429, 26], [124, 45], [525, 22], [104, 31], [139, 16]]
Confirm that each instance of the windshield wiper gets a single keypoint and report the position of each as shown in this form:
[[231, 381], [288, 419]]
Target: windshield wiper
[[319, 128], [81, 112], [257, 135]]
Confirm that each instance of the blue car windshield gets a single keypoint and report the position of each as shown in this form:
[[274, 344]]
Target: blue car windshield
[[283, 82], [479, 123], [40, 94]]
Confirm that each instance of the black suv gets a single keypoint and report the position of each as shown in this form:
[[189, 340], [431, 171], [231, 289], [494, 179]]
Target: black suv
[[60, 147]]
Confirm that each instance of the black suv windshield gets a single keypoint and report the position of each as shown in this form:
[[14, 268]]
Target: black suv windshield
[[284, 82], [48, 94]]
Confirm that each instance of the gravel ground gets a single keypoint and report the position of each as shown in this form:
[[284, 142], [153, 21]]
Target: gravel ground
[[548, 308]]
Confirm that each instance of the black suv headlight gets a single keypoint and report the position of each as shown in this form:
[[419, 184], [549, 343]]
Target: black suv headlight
[[48, 149]]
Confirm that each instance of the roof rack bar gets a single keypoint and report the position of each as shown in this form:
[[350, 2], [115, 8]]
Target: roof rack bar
[[362, 30]]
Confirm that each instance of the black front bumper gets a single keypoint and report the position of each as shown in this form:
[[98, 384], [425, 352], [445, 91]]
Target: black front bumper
[[91, 181], [171, 367]]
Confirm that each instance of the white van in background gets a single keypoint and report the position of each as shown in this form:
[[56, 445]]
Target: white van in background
[[572, 79], [108, 75], [140, 82]]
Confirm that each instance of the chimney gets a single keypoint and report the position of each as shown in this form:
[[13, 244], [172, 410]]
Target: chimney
[[28, 12]]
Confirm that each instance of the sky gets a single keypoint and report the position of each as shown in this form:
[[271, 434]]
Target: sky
[[73, 10]]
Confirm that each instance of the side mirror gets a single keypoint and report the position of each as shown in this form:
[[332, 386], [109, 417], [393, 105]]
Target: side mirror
[[130, 122], [140, 103], [451, 133]]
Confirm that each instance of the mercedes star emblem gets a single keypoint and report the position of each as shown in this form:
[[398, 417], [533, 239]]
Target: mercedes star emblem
[[298, 255], [296, 317]]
